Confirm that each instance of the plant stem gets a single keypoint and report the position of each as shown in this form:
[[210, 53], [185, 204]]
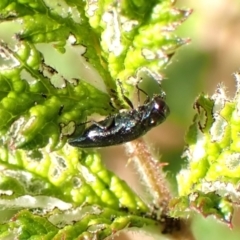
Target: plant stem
[[154, 179]]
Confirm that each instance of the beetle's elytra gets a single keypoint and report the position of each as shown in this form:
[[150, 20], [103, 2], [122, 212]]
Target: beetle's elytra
[[123, 126]]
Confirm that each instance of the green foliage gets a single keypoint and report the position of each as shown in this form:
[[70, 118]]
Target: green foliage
[[57, 191], [211, 181], [51, 190]]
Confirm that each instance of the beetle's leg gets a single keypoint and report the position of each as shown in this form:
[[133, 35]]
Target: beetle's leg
[[141, 90], [108, 124], [83, 123], [112, 103], [127, 100]]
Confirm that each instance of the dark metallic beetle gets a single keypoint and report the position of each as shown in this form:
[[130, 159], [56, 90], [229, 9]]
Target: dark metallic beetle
[[123, 126]]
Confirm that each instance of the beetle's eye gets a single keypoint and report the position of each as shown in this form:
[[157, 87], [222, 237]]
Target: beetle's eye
[[161, 107], [160, 111]]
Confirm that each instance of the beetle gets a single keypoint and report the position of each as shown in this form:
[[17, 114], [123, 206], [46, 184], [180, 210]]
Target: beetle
[[124, 126]]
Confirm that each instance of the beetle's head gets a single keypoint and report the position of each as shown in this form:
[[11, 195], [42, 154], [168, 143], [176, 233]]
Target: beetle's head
[[159, 111]]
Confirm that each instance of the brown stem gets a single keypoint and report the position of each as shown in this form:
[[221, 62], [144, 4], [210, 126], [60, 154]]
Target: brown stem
[[150, 170], [154, 179]]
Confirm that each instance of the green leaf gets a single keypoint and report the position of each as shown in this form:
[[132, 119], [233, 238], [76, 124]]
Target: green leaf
[[213, 155], [62, 175], [79, 223]]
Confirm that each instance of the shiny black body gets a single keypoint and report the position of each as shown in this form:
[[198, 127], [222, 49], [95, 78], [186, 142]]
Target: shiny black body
[[124, 126]]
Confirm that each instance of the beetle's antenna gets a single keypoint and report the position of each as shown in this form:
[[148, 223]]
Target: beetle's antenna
[[141, 90], [126, 99]]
